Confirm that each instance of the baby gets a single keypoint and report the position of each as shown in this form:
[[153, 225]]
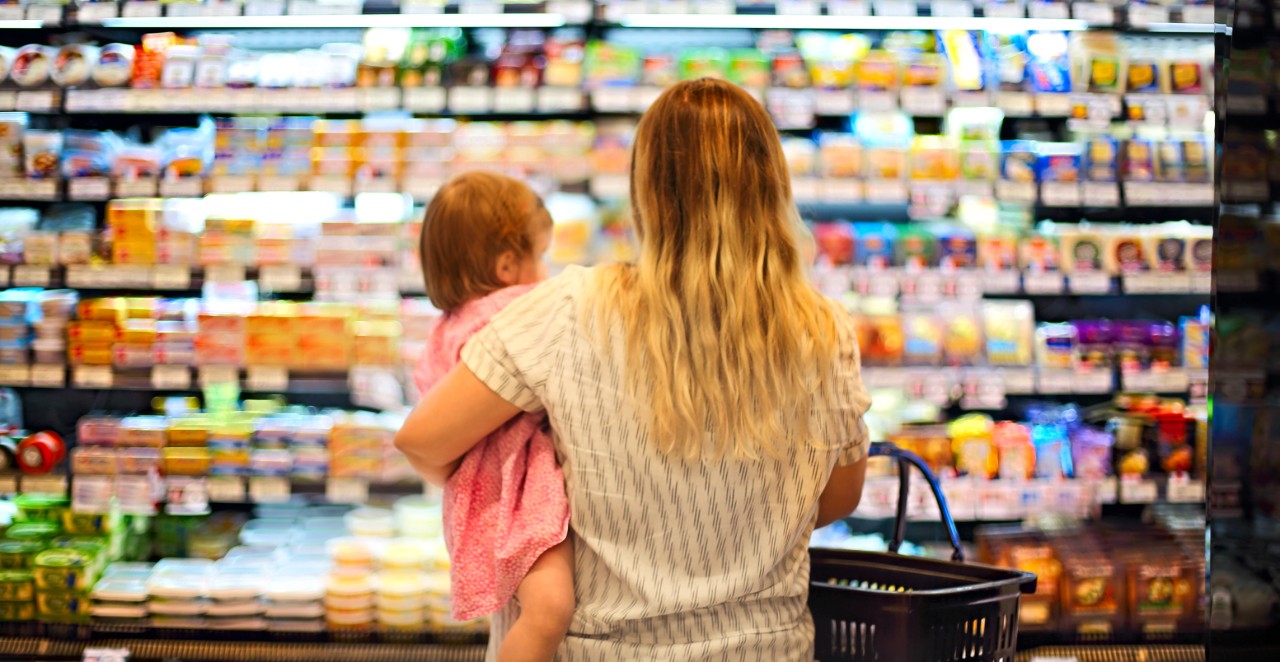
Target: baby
[[506, 516]]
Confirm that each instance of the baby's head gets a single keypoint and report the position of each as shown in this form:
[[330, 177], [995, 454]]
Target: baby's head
[[482, 232]]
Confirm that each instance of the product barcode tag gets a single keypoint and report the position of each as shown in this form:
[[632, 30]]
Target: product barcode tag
[[984, 390], [1100, 194], [89, 188], [1094, 13], [1052, 382], [171, 277], [848, 8], [224, 273], [1142, 15], [8, 485], [280, 278], [470, 99], [953, 8], [226, 489], [895, 7], [269, 489], [48, 375], [1060, 194], [1054, 10], [1042, 282], [171, 378], [15, 375], [186, 495], [32, 275], [346, 490], [219, 374], [1198, 14], [185, 187], [92, 376], [52, 484], [1089, 282], [1092, 381], [1138, 490], [267, 378], [1182, 489]]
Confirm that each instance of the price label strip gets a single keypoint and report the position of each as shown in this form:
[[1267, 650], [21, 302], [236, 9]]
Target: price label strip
[[269, 489], [346, 490]]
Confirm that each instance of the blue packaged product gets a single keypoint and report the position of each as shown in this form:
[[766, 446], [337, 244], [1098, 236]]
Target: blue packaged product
[[876, 243], [1018, 160], [1058, 162], [1049, 62]]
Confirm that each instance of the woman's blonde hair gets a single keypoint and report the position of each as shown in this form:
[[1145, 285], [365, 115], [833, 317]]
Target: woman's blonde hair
[[718, 317]]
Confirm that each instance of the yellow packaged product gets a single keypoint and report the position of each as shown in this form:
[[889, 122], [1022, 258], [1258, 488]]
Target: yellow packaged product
[[109, 309], [89, 354], [92, 332], [186, 461], [138, 331], [189, 431]]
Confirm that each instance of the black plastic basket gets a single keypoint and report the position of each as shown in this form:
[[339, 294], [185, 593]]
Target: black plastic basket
[[870, 606]]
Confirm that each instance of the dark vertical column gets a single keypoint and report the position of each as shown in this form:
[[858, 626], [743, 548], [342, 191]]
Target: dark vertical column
[[1244, 477]]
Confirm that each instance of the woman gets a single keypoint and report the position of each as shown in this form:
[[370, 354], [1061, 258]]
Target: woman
[[706, 402]]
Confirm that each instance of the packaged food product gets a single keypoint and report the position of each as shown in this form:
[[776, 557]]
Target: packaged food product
[[1091, 453], [32, 65], [1095, 338], [42, 153], [64, 569], [1016, 452], [1056, 346], [114, 65], [923, 339], [1009, 328], [73, 65], [975, 451]]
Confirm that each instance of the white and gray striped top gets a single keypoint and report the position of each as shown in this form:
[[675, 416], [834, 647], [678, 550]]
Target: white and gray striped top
[[674, 560]]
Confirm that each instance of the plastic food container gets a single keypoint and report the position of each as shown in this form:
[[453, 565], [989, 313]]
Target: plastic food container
[[234, 608], [292, 610], [94, 460], [41, 507], [352, 552], [186, 461], [15, 554], [16, 585], [118, 589], [136, 461], [98, 430], [371, 522], [32, 531], [418, 517], [64, 569], [177, 607]]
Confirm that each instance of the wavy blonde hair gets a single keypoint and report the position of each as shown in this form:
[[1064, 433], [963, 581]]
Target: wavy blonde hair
[[720, 323]]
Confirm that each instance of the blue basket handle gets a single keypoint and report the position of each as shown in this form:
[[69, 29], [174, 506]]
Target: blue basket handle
[[905, 460]]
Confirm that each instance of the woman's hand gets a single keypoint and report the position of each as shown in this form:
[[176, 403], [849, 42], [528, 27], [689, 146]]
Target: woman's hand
[[449, 421]]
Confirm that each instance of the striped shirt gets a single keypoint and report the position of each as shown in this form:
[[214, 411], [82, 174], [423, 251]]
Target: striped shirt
[[674, 560]]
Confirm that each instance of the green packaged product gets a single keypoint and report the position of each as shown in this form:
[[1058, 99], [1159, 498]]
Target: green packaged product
[[18, 611], [917, 247], [38, 531], [40, 507], [64, 569], [749, 68], [62, 606], [17, 554], [16, 586], [87, 524], [698, 63]]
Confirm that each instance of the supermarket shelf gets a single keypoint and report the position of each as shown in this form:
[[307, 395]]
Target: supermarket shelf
[[846, 23], [983, 500], [923, 286], [1134, 653], [504, 20], [1087, 110], [980, 388], [233, 648]]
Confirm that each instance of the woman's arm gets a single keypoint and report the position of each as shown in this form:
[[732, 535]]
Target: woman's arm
[[843, 492], [451, 419]]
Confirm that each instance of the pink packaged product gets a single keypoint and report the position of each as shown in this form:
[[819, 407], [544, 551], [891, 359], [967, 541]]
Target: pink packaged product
[[138, 460], [95, 460], [98, 430]]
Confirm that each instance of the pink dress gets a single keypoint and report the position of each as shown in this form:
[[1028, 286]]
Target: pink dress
[[505, 505]]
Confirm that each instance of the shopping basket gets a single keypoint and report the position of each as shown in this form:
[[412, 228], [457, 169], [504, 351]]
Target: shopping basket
[[888, 608]]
